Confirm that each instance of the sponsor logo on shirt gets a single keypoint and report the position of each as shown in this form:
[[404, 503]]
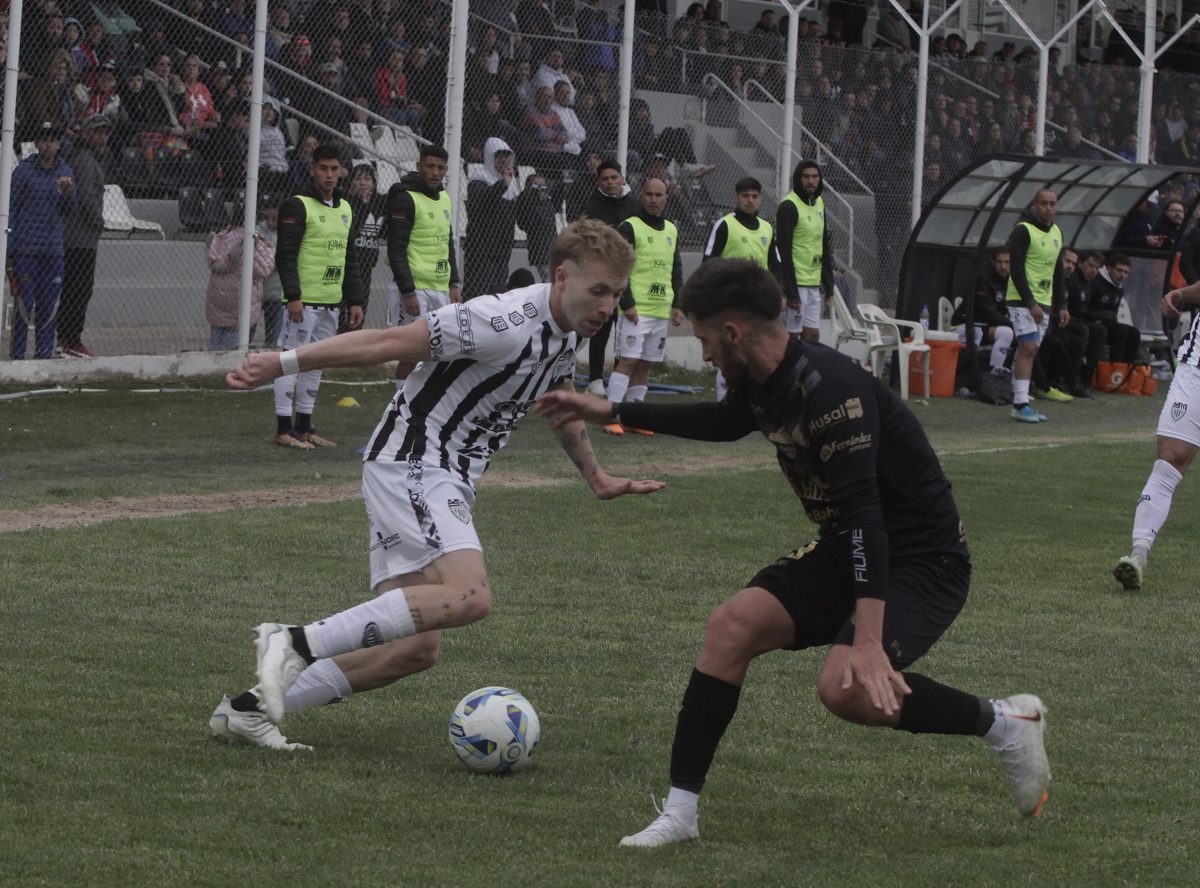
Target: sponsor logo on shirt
[[530, 310], [851, 445], [463, 317], [499, 324], [851, 408], [858, 555], [436, 338], [517, 318]]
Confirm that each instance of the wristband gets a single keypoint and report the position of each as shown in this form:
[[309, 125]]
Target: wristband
[[290, 362]]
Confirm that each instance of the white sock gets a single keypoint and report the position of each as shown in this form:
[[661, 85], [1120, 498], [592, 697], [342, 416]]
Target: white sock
[[322, 682], [1153, 507], [995, 734], [636, 393], [399, 383], [1003, 341], [306, 391], [721, 389], [617, 384], [285, 387], [1020, 392], [384, 618], [682, 798]]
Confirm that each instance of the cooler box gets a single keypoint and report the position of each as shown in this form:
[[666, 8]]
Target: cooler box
[[943, 365]]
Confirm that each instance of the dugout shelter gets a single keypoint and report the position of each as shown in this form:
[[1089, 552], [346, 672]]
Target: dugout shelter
[[976, 211]]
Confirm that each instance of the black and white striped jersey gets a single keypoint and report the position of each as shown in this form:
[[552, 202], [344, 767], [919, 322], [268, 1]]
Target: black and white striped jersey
[[1189, 346], [491, 358]]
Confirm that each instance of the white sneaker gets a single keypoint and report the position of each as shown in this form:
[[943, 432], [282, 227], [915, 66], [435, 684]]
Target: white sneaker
[[278, 667], [247, 727], [1023, 752], [1128, 573], [596, 387], [672, 826]]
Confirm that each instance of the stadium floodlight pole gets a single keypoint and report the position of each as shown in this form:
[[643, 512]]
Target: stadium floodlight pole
[[625, 100], [789, 92], [1148, 55], [11, 68], [1044, 60], [923, 30], [250, 211], [454, 105]]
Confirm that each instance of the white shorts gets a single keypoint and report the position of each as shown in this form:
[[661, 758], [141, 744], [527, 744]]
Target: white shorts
[[645, 341], [1180, 417], [319, 322], [416, 514], [809, 313], [430, 300], [1023, 324]]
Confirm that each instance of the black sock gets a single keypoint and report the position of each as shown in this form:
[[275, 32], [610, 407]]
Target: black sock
[[303, 423], [300, 644], [708, 707], [245, 702], [283, 425], [934, 708]]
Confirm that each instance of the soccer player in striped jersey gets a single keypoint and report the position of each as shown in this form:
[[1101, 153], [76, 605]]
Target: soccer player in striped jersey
[[1178, 438], [482, 366]]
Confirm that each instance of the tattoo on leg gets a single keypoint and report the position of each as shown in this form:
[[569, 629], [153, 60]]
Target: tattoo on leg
[[418, 620]]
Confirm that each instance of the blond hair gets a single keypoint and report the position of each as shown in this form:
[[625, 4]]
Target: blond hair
[[590, 240]]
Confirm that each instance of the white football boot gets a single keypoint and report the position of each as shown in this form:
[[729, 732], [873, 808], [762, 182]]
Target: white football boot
[[1023, 752], [251, 728], [278, 667], [1128, 573], [672, 826]]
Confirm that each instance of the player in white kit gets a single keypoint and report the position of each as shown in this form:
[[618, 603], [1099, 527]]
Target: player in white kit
[[1178, 438], [483, 365]]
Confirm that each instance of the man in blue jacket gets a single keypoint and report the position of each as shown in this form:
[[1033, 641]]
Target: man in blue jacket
[[42, 196]]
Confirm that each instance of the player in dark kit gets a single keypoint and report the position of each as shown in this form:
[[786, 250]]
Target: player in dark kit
[[886, 576]]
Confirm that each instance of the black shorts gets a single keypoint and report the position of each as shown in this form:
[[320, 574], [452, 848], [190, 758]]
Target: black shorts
[[815, 585]]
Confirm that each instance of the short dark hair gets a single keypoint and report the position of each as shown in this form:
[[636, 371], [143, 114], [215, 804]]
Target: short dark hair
[[326, 152], [608, 164], [1090, 254], [749, 183], [1002, 251], [721, 285], [1115, 258], [434, 151]]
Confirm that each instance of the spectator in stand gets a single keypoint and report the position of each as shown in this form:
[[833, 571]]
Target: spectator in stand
[[42, 195], [1104, 303], [279, 30], [331, 54], [991, 323], [481, 125], [427, 90], [225, 150], [366, 232], [222, 88], [550, 72], [545, 135], [196, 110], [236, 19], [361, 68], [302, 159], [492, 194], [223, 298], [562, 106], [391, 92], [524, 87], [81, 235], [51, 97], [1137, 231], [143, 110], [36, 49], [330, 110], [1170, 224], [272, 290], [101, 98], [395, 37], [154, 44], [83, 57], [536, 210], [766, 24], [592, 23], [272, 150]]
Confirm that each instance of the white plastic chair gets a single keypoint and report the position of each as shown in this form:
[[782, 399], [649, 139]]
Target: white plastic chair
[[887, 335], [119, 220], [946, 310], [846, 327]]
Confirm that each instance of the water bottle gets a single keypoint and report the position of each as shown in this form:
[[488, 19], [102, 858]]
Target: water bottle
[[924, 317]]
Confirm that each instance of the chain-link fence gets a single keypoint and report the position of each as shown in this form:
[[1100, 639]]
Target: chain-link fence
[[541, 78]]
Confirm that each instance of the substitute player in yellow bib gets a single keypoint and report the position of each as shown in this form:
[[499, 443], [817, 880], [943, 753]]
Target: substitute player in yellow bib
[[318, 269], [804, 252], [743, 235], [650, 302]]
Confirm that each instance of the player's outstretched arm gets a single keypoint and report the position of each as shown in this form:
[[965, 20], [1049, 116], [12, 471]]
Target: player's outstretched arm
[[572, 435], [1173, 302], [362, 348], [565, 405]]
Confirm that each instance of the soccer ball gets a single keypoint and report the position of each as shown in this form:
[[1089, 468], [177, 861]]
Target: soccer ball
[[494, 730]]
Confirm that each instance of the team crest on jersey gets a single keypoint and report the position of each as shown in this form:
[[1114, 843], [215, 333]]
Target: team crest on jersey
[[459, 510], [345, 219], [668, 241], [530, 310], [763, 241], [499, 324], [1178, 410], [517, 318]]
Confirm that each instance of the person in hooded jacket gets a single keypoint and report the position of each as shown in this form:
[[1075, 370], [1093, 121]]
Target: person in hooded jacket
[[804, 251], [492, 205], [420, 244], [223, 298], [366, 232]]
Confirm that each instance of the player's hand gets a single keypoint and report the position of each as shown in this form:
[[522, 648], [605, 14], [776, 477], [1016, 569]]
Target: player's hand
[[631, 314], [258, 369], [456, 294], [412, 306], [869, 666], [295, 311], [562, 407], [64, 185], [1064, 317], [607, 487], [1037, 313], [1170, 303], [356, 317], [676, 317]]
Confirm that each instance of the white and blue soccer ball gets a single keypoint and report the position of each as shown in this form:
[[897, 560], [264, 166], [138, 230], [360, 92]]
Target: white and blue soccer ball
[[494, 730]]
